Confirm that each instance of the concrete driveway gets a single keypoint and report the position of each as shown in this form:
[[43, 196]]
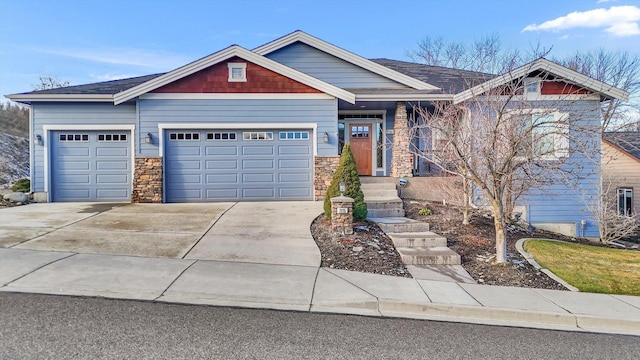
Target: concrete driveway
[[268, 233]]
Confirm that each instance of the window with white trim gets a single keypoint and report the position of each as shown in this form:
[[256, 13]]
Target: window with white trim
[[531, 86], [625, 201], [546, 134], [237, 72], [73, 137], [294, 135], [221, 136], [184, 136], [112, 137], [257, 135]]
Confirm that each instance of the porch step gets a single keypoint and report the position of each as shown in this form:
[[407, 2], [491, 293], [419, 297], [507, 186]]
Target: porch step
[[381, 213], [380, 193], [378, 180], [418, 239], [400, 225], [378, 186], [383, 203], [428, 256]]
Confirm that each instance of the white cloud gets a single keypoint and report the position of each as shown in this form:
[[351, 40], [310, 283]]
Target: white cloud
[[124, 56], [617, 20], [604, 1]]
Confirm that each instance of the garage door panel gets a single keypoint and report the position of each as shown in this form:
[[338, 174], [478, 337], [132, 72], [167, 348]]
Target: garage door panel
[[184, 150], [294, 150], [185, 178], [105, 151], [258, 178], [111, 165], [223, 193], [256, 168], [221, 164], [222, 178], [85, 169], [258, 164], [294, 177], [112, 179], [187, 165], [216, 150], [294, 164], [257, 150]]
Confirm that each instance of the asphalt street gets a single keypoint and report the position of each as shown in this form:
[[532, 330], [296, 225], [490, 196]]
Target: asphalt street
[[57, 327]]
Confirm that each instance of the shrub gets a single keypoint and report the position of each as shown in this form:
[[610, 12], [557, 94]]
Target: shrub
[[425, 211], [22, 185], [348, 173]]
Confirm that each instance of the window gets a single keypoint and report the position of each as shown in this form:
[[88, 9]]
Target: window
[[257, 135], [294, 135], [625, 201], [73, 137], [545, 135], [112, 137], [379, 145], [221, 136], [531, 86], [237, 72], [360, 131], [184, 136]]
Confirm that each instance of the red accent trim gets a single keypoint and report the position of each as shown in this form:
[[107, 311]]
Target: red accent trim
[[215, 79], [561, 88]]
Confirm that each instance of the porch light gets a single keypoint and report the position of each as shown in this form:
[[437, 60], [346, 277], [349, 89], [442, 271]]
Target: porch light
[[147, 139], [325, 138], [38, 140], [341, 187]]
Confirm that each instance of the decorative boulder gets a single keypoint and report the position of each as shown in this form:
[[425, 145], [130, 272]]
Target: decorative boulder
[[17, 197]]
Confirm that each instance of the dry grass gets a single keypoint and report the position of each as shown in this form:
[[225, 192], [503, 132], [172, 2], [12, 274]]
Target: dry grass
[[590, 268]]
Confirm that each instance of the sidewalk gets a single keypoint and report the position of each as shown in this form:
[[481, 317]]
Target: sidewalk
[[308, 288]]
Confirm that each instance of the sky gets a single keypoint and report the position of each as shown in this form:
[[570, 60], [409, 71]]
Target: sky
[[85, 41]]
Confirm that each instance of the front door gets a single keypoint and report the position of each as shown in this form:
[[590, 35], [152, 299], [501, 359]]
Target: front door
[[360, 140]]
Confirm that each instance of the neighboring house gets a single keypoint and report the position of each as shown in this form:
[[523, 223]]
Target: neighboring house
[[621, 169], [261, 124]]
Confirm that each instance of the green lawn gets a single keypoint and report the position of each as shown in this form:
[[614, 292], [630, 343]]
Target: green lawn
[[590, 268]]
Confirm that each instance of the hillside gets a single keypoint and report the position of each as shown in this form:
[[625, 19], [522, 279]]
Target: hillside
[[14, 143]]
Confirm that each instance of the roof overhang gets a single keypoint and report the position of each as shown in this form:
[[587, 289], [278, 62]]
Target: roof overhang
[[542, 64], [404, 97], [27, 98], [223, 55], [344, 55]]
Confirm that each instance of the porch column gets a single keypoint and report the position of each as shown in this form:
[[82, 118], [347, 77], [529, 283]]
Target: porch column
[[400, 154]]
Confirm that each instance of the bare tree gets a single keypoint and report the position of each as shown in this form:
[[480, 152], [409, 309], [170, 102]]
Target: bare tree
[[49, 82], [618, 69]]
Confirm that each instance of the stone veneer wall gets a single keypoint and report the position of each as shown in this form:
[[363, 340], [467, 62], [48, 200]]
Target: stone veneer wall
[[400, 153], [147, 180], [324, 167]]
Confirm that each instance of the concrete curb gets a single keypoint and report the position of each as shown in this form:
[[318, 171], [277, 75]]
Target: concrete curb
[[530, 260]]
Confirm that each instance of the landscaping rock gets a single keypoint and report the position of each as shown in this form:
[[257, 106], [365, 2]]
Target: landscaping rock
[[17, 197]]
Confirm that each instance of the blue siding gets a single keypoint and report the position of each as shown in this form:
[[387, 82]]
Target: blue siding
[[324, 112], [73, 114], [329, 68], [562, 202]]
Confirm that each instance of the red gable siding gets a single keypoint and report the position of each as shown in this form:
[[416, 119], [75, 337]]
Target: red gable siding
[[214, 79], [560, 88]]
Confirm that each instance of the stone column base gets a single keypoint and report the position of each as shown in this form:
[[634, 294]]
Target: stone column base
[[342, 215], [147, 180], [324, 167]]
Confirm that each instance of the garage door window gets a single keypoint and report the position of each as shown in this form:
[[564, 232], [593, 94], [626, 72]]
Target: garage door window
[[74, 137], [112, 137], [184, 136], [221, 136], [294, 135], [257, 135]]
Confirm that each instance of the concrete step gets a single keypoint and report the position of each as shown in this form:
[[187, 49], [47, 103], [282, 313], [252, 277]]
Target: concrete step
[[400, 225], [378, 180], [428, 256], [380, 193], [381, 213], [378, 186], [418, 239], [379, 203]]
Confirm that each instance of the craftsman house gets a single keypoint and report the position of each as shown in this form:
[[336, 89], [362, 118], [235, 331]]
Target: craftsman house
[[621, 170], [261, 124]]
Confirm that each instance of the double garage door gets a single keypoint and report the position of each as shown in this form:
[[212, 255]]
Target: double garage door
[[90, 165], [229, 165]]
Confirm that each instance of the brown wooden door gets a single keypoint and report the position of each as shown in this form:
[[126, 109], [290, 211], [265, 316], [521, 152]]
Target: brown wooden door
[[360, 140]]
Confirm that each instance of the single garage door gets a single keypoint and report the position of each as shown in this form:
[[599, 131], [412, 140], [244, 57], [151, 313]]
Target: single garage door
[[224, 165], [90, 165]]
